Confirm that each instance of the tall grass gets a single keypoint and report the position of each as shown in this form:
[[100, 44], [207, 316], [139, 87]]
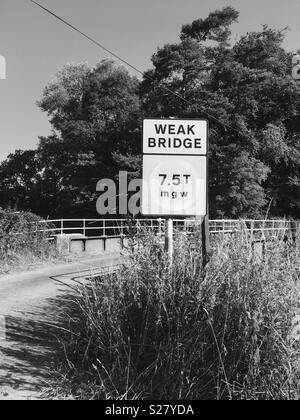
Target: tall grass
[[21, 241], [152, 331]]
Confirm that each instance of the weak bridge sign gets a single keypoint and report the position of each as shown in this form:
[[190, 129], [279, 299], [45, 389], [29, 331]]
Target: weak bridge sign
[[174, 167]]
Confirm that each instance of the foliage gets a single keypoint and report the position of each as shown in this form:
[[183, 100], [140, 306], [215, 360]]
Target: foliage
[[17, 179], [151, 332], [247, 93], [21, 239], [94, 114]]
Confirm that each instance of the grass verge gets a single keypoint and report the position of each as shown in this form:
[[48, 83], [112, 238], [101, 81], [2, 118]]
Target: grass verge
[[157, 332]]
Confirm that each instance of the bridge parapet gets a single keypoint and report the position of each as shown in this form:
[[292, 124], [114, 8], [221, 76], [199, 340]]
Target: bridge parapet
[[98, 236], [115, 228]]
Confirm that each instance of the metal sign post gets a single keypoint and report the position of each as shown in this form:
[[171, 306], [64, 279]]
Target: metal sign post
[[205, 231], [205, 241], [169, 239]]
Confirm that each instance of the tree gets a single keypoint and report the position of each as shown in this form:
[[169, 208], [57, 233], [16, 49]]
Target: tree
[[95, 117], [18, 178], [90, 109], [247, 93], [214, 28]]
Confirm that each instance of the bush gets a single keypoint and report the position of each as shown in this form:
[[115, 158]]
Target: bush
[[21, 240], [155, 332]]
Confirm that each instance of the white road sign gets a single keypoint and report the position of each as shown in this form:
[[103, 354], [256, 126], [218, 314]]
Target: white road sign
[[175, 168]]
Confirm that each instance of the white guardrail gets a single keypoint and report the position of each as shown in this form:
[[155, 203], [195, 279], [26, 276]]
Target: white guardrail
[[103, 228]]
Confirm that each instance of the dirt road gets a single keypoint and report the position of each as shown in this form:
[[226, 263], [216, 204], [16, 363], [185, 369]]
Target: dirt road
[[29, 315]]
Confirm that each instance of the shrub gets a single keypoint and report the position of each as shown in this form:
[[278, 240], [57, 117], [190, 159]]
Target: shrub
[[21, 239], [152, 331]]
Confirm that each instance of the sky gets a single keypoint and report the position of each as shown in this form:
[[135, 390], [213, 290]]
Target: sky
[[36, 46]]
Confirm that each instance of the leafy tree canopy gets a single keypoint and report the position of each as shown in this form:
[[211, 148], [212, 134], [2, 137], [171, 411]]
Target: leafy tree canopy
[[247, 93], [94, 114]]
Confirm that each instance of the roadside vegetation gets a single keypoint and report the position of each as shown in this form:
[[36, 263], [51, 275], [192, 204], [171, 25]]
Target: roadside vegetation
[[21, 242], [155, 332]]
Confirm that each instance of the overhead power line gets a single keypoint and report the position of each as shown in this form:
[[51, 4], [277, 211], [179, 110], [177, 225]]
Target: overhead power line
[[130, 65], [88, 37]]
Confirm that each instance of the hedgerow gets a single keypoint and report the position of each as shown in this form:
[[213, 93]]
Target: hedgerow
[[21, 239]]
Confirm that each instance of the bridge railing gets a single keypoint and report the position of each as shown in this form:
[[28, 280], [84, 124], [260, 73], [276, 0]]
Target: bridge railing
[[103, 228]]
